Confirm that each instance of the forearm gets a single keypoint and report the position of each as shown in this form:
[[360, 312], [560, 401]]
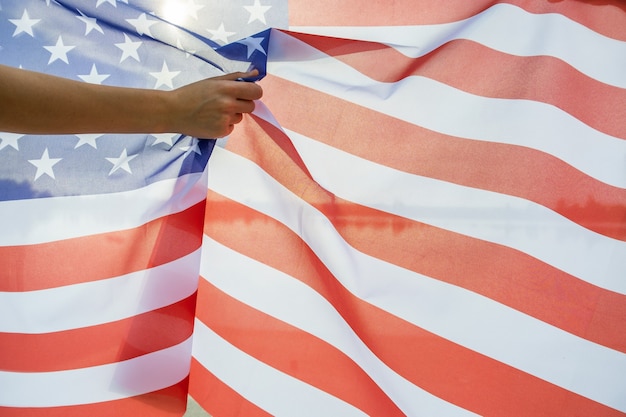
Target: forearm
[[37, 103]]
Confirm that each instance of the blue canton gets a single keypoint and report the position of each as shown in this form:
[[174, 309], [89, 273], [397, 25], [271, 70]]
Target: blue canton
[[143, 44]]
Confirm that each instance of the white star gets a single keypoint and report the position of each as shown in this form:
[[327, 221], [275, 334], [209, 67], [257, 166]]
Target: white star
[[180, 47], [87, 139], [253, 44], [257, 12], [167, 138], [10, 139], [121, 162], [90, 24], [220, 34], [192, 8], [44, 165], [165, 76], [93, 77], [192, 148], [59, 51], [24, 24], [129, 49], [142, 24], [111, 2]]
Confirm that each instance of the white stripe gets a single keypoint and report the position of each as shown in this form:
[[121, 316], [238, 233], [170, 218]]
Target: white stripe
[[441, 108], [507, 220], [499, 218], [293, 302], [506, 28], [129, 378], [98, 302], [49, 219], [271, 390], [456, 314]]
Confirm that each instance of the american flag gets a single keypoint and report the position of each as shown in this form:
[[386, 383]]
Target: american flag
[[426, 215], [100, 240], [425, 218]]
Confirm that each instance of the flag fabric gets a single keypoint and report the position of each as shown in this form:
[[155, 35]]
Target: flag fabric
[[425, 215], [100, 235]]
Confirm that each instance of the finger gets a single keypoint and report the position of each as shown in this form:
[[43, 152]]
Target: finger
[[250, 74], [247, 91], [233, 76], [237, 118], [244, 106]]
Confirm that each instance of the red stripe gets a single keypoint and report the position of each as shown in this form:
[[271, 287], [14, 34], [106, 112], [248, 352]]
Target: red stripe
[[292, 351], [217, 398], [98, 345], [379, 13], [500, 273], [92, 258], [606, 17], [530, 174], [482, 71], [168, 402], [443, 368]]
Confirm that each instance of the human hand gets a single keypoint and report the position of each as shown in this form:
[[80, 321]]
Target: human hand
[[210, 108]]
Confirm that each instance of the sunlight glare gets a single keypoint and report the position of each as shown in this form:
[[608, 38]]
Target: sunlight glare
[[175, 12]]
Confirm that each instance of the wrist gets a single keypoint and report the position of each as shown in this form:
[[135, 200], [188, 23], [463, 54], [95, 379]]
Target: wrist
[[159, 111]]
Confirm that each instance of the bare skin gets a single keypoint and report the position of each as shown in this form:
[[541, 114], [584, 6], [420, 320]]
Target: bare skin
[[37, 103]]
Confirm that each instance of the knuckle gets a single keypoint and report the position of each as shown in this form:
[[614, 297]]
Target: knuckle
[[226, 104]]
